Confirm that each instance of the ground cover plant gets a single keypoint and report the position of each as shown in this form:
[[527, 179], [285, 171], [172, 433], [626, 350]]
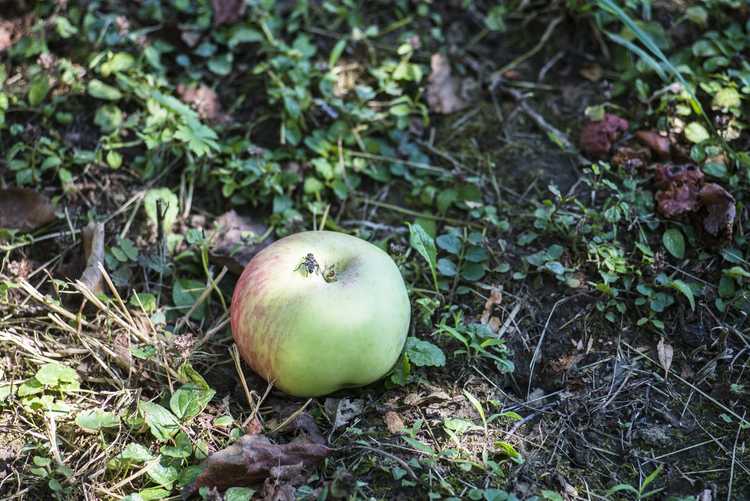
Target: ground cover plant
[[563, 186]]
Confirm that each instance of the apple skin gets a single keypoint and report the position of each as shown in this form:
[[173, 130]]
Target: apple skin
[[309, 336]]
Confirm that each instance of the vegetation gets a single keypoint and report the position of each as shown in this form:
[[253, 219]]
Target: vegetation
[[563, 186]]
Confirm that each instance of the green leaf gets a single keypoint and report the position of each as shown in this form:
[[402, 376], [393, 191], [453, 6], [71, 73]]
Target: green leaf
[[92, 421], [510, 451], [447, 267], [460, 426], [190, 400], [420, 446], [425, 246], [423, 353], [153, 493], [449, 242], [131, 454], [674, 242], [685, 290], [38, 90], [695, 132], [52, 374], [238, 494], [163, 475], [185, 292], [736, 272], [338, 49], [223, 421], [162, 423], [122, 61], [100, 90], [200, 138]]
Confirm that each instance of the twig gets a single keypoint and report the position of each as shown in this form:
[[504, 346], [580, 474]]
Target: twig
[[734, 459]]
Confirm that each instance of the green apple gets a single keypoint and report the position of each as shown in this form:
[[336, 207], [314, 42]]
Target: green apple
[[319, 311]]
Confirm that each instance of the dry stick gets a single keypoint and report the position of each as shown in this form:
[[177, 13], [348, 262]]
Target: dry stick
[[135, 475], [292, 416], [410, 212], [692, 386], [257, 405], [734, 459], [112, 288], [235, 354], [497, 76], [535, 357]]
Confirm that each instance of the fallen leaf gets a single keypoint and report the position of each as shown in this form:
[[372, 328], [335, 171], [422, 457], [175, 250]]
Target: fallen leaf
[[24, 209], [12, 30], [597, 136], [254, 459], [346, 410], [93, 250], [665, 353], [658, 144], [394, 422], [254, 426], [677, 200], [592, 72], [670, 174], [236, 240], [227, 11], [720, 208], [443, 88], [205, 101], [496, 297], [631, 157]]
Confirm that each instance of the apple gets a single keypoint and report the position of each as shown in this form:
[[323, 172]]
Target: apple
[[319, 311]]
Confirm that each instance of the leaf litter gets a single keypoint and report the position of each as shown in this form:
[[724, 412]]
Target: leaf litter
[[24, 209]]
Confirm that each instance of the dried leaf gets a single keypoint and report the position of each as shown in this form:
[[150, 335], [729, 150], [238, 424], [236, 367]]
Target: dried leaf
[[496, 297], [227, 11], [254, 426], [669, 174], [24, 209], [93, 250], [205, 101], [346, 410], [658, 144], [443, 89], [12, 30], [677, 200], [720, 208], [665, 352], [592, 72], [597, 136], [254, 459], [236, 241], [394, 422]]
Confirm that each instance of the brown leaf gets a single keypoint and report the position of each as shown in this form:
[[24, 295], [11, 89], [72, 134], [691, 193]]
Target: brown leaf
[[93, 250], [12, 30], [205, 100], [394, 422], [254, 426], [720, 208], [443, 88], [597, 136], [658, 144], [669, 174], [496, 297], [254, 459], [592, 72], [345, 410], [24, 209], [227, 11], [631, 157], [665, 353], [236, 241], [677, 200]]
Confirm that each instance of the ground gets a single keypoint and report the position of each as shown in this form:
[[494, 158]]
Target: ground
[[563, 186]]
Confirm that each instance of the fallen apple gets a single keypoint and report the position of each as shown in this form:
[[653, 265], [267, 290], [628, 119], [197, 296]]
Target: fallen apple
[[319, 311]]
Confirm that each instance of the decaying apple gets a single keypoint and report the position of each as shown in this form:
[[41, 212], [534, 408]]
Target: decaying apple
[[319, 311]]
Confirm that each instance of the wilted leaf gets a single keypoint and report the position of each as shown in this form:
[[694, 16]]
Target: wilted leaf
[[665, 352], [496, 297], [92, 238], [442, 88], [205, 101], [24, 209], [597, 137], [658, 144], [253, 459], [720, 209], [236, 240], [394, 422], [227, 11], [669, 174]]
